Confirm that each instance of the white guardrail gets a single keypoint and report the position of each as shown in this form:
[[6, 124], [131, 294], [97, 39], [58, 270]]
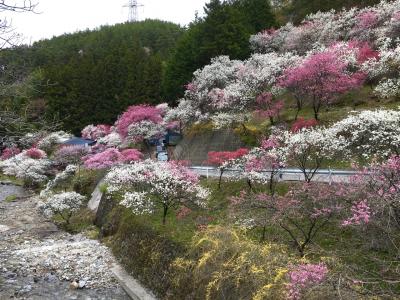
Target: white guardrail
[[289, 174]]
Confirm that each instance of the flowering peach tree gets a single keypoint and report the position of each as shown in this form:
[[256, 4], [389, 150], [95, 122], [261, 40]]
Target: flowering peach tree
[[150, 185]]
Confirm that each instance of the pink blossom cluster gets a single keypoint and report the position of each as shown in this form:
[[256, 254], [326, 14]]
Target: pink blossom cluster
[[367, 20], [361, 214], [111, 157], [183, 212], [305, 276], [70, 155], [270, 143], [267, 106], [321, 76], [95, 132], [136, 114], [9, 152], [35, 153]]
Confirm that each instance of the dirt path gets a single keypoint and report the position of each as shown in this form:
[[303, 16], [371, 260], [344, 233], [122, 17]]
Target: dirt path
[[38, 261]]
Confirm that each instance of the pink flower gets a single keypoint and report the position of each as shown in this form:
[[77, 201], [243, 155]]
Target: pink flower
[[130, 155], [361, 214], [136, 114], [95, 132], [9, 152], [35, 153], [367, 20], [183, 212], [305, 276], [111, 157]]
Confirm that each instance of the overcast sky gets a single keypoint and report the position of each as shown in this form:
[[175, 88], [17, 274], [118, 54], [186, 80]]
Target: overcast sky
[[64, 16]]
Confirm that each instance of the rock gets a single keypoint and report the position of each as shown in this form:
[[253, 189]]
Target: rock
[[4, 228], [10, 275], [74, 285], [49, 277], [25, 289], [82, 284]]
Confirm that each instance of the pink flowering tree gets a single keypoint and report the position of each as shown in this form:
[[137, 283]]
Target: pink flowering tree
[[140, 122], [7, 153], [149, 186], [304, 276], [94, 132], [268, 107], [302, 213], [375, 196], [224, 160], [319, 80], [35, 153], [70, 155], [111, 157], [261, 165]]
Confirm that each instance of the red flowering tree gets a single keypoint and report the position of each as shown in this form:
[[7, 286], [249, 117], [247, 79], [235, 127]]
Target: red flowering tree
[[319, 80], [301, 123], [223, 159]]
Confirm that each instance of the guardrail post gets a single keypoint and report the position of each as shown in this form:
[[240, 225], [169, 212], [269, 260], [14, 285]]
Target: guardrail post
[[330, 176]]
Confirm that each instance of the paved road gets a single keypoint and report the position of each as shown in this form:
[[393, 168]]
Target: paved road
[[290, 174]]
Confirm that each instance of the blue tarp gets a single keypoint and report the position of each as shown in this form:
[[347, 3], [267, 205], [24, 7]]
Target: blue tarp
[[79, 142]]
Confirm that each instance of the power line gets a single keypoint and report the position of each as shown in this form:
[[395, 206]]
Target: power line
[[133, 6]]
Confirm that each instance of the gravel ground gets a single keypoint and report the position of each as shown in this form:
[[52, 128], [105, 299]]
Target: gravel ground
[[38, 261]]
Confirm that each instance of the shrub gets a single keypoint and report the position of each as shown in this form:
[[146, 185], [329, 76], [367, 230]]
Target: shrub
[[224, 264]]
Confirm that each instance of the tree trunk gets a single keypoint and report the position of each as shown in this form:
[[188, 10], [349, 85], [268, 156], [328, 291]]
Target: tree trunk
[[165, 214], [263, 233], [220, 178]]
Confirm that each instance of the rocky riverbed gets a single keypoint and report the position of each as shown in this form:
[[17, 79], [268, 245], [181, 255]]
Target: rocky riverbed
[[39, 261]]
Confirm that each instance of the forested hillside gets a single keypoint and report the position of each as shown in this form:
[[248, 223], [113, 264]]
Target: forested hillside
[[89, 76]]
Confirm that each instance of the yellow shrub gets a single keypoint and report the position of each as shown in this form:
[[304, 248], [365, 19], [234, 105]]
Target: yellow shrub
[[224, 264]]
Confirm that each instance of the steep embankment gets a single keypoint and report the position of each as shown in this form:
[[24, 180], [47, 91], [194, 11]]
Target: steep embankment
[[195, 147]]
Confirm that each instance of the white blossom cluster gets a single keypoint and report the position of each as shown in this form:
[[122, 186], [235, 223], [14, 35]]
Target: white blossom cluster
[[370, 24], [69, 171], [366, 134], [145, 130], [223, 90], [369, 133], [52, 139], [155, 182], [138, 203], [318, 142], [111, 140], [67, 202], [386, 69], [26, 168]]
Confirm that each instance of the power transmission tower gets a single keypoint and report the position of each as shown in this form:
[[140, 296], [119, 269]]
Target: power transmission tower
[[133, 6]]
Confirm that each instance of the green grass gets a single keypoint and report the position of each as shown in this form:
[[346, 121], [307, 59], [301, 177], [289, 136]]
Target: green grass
[[10, 198]]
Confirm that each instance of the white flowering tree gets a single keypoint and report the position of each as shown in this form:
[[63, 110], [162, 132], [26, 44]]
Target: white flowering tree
[[308, 148], [60, 179], [369, 134], [148, 185], [62, 205], [30, 170]]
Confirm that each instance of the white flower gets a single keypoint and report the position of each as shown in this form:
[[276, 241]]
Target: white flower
[[62, 203]]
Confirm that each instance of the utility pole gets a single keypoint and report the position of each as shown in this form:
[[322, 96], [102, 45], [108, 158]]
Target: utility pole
[[133, 6]]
